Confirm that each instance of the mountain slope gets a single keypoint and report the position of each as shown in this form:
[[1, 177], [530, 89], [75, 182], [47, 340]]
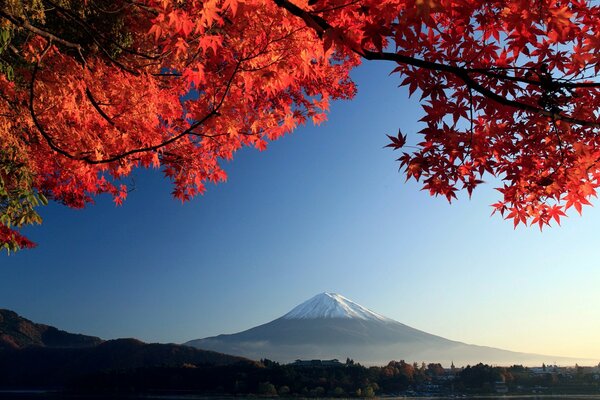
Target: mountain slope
[[37, 355], [332, 305], [17, 332], [331, 326], [54, 367]]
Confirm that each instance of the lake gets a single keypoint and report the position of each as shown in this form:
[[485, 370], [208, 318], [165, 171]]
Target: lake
[[44, 395]]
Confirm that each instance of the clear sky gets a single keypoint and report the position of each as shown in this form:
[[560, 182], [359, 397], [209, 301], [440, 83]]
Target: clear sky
[[323, 209]]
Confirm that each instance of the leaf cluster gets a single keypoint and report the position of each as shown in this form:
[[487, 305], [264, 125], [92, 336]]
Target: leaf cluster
[[18, 199], [509, 89]]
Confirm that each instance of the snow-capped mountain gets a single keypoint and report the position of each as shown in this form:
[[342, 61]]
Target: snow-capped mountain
[[332, 305], [329, 325]]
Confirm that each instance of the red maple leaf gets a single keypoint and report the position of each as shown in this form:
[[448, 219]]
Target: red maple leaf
[[397, 142]]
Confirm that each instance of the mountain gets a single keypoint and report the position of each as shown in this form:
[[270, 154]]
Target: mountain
[[37, 355], [55, 367], [332, 305], [17, 332], [331, 326]]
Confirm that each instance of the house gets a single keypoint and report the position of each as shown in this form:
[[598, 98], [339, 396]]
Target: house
[[501, 387], [317, 363]]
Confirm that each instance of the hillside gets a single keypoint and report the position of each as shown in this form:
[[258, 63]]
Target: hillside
[[55, 367], [17, 332], [36, 355]]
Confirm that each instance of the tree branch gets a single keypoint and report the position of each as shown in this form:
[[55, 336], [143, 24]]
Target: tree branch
[[50, 36], [95, 104], [320, 26], [189, 131]]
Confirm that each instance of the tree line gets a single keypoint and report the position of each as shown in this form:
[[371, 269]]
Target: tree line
[[268, 378]]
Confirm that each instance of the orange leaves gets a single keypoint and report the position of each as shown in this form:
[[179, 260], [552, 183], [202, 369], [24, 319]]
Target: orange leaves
[[426, 7], [180, 22], [211, 13], [232, 6], [500, 84], [120, 195], [260, 144], [181, 46], [210, 42], [561, 16], [195, 76], [251, 72], [559, 23], [155, 31], [319, 118]]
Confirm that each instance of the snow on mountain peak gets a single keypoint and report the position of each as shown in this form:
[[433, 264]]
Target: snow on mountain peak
[[332, 305]]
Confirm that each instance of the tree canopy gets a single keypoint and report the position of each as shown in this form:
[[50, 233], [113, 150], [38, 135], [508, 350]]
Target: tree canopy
[[90, 90]]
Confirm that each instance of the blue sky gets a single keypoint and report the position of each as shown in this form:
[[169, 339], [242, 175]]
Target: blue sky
[[323, 209]]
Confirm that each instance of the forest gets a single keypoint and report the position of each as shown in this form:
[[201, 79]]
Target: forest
[[349, 379]]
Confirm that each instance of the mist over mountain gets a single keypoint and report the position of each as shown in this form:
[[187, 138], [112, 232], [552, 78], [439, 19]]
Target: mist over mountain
[[329, 325]]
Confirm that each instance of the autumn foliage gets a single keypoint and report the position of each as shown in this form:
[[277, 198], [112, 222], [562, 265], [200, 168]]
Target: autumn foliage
[[90, 90]]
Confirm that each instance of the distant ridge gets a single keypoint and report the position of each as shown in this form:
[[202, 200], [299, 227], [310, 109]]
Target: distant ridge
[[36, 355], [17, 332], [329, 326]]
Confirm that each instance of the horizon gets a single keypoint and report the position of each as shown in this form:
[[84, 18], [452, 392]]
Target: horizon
[[578, 361], [322, 209]]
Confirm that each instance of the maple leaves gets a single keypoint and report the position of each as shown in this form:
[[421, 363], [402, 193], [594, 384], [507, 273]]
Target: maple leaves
[[397, 142], [18, 200], [501, 98], [507, 89], [91, 91], [165, 84]]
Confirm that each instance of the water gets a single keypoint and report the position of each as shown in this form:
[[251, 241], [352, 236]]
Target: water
[[45, 395]]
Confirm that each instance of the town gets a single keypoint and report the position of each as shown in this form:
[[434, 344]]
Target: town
[[332, 378]]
